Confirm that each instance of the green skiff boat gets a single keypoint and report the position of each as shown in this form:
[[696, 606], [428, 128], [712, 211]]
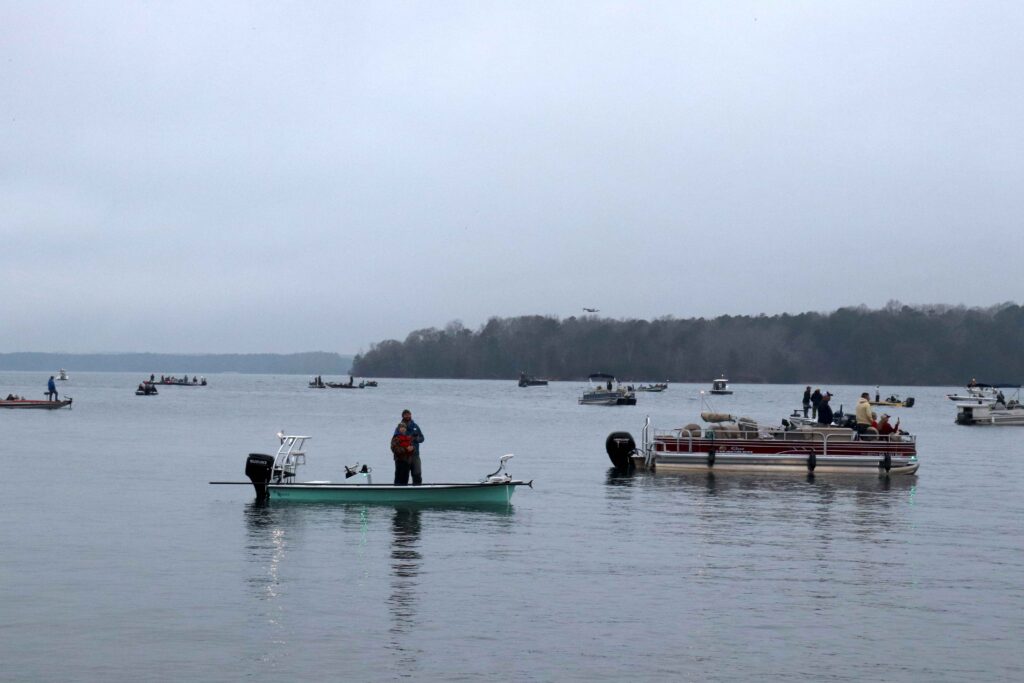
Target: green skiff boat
[[273, 477]]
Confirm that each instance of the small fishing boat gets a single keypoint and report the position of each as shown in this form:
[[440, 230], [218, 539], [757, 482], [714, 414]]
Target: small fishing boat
[[979, 394], [343, 385], [742, 445], [27, 403], [370, 383], [605, 390], [146, 389], [528, 381], [999, 412], [62, 374], [273, 477], [894, 401], [657, 388], [720, 386]]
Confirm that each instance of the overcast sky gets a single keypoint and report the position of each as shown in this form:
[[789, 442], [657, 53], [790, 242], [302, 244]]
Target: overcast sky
[[278, 177]]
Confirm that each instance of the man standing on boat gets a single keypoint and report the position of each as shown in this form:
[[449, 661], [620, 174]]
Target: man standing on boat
[[815, 402], [807, 400], [863, 413], [51, 390], [416, 434], [825, 410]]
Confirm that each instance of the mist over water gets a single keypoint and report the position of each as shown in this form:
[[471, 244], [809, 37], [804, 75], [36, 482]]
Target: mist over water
[[121, 563]]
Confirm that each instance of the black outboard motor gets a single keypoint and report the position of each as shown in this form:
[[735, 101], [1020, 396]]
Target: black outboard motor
[[259, 467], [909, 403], [620, 447]]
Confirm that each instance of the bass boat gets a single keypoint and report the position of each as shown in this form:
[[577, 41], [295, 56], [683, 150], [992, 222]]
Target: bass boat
[[894, 401], [273, 477], [25, 403], [742, 445]]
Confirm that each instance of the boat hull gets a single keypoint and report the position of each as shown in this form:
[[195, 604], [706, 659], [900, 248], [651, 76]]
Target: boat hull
[[388, 494], [613, 401], [38, 405], [726, 462]]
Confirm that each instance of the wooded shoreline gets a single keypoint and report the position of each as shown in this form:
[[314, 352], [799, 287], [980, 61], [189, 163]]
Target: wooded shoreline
[[897, 345]]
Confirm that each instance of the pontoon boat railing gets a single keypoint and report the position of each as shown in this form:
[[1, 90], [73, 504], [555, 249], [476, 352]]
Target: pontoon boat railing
[[676, 437]]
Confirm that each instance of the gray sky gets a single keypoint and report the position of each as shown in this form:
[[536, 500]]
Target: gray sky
[[278, 177]]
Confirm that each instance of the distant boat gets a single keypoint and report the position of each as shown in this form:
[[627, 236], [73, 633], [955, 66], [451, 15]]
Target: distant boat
[[720, 386], [605, 390], [62, 374], [176, 382], [999, 412], [527, 381]]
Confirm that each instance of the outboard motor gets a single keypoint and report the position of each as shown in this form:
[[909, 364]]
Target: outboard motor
[[259, 467], [620, 447], [909, 403]]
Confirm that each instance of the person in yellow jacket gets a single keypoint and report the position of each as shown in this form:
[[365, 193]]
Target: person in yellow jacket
[[863, 413]]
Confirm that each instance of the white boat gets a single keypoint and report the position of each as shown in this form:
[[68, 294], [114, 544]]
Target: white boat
[[979, 394], [62, 374], [720, 386], [1000, 411], [273, 477], [605, 390]]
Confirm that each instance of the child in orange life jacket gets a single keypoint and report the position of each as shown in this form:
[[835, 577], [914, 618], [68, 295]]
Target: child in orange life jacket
[[402, 447]]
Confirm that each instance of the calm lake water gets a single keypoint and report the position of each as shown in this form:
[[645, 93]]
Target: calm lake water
[[120, 562]]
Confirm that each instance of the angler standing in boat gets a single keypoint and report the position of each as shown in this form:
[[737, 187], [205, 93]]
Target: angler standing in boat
[[403, 449], [825, 410], [51, 390], [416, 434], [807, 400], [815, 402], [863, 413]]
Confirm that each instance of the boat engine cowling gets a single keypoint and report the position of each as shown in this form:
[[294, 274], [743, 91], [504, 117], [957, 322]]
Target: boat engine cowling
[[259, 467], [620, 447]]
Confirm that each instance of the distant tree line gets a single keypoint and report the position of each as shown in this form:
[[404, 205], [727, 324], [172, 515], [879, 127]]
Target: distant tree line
[[308, 363], [909, 345]]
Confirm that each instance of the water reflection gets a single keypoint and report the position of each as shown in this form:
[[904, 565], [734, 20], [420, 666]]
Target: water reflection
[[405, 571], [867, 504], [268, 545]]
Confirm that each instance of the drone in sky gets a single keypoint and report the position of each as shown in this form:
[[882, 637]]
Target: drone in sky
[[591, 310]]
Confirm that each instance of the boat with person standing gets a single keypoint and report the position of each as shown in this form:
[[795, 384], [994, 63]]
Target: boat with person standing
[[979, 393], [172, 381], [1000, 411], [273, 477], [20, 402], [742, 445], [62, 374]]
